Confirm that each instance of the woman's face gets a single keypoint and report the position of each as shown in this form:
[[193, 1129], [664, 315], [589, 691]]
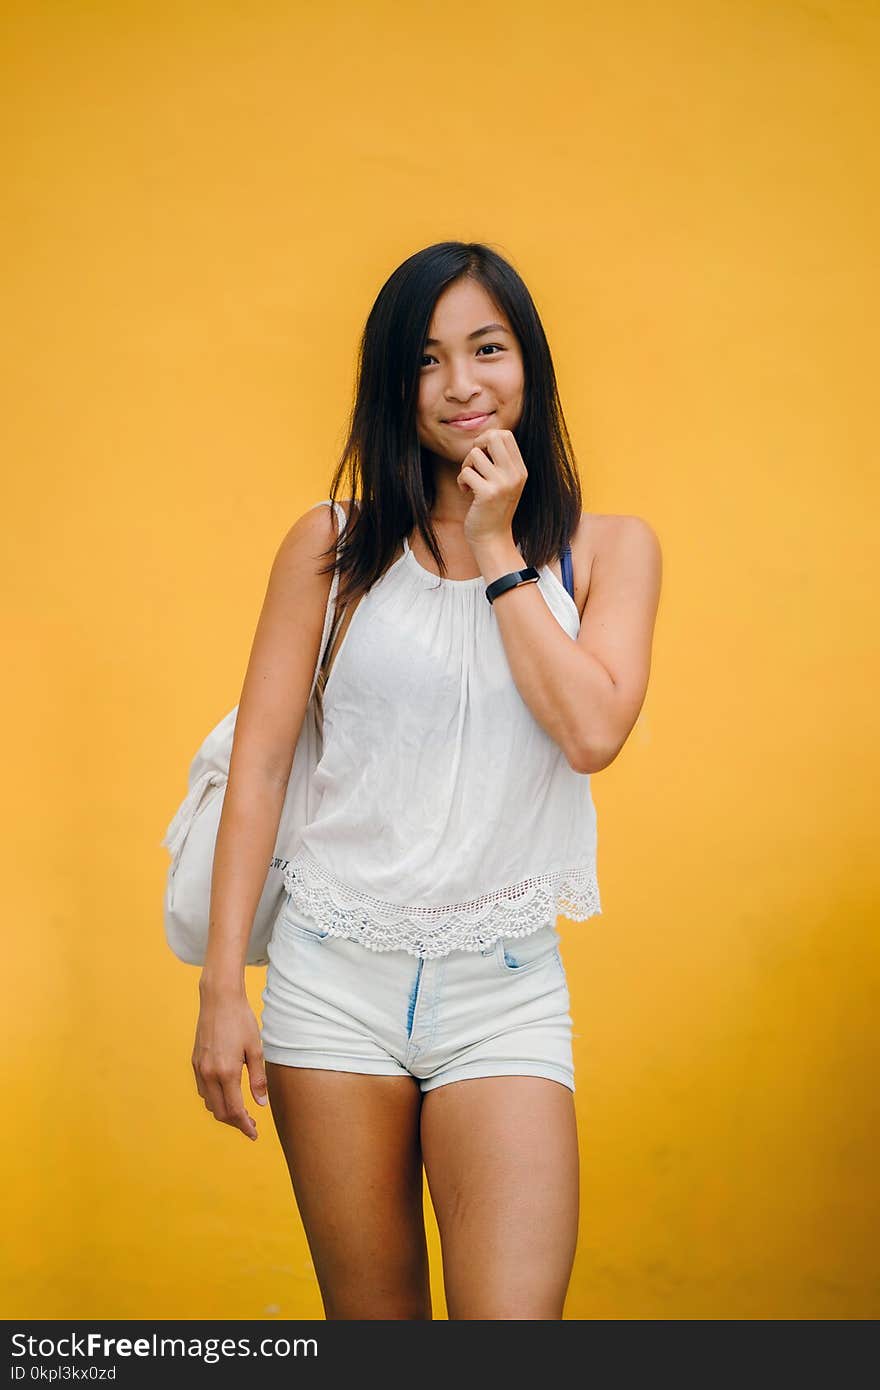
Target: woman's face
[[466, 371]]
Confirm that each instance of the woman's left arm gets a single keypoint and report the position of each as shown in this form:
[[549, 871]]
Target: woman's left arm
[[585, 693]]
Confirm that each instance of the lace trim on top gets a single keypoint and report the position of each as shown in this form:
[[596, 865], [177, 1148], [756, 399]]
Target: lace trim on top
[[433, 931]]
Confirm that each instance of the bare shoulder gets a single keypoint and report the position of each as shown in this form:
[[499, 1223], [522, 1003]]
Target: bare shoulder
[[318, 523], [627, 557], [311, 540], [302, 571], [600, 529], [627, 546], [603, 534], [603, 537], [597, 534]]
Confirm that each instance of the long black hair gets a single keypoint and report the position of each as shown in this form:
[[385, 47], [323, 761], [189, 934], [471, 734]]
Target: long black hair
[[383, 457]]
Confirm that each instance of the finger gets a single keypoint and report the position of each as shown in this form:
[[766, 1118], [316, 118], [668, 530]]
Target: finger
[[506, 456], [202, 1075], [212, 1094], [257, 1074], [494, 443], [236, 1115], [200, 1085], [475, 481], [479, 461]]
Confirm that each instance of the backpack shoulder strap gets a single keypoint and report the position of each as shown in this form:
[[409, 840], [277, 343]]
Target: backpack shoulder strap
[[567, 571], [330, 611]]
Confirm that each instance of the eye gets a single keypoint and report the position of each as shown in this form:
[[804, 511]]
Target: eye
[[499, 346]]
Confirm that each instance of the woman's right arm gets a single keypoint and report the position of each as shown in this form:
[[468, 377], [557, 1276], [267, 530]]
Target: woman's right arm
[[270, 714]]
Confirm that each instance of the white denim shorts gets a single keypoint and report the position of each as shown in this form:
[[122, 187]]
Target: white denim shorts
[[332, 1003]]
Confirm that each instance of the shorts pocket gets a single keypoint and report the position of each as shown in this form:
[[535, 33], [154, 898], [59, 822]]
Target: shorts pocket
[[520, 955], [300, 925]]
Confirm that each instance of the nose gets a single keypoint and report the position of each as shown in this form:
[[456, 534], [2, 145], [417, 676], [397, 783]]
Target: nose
[[461, 386]]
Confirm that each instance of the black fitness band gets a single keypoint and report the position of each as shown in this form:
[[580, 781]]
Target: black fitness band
[[510, 581]]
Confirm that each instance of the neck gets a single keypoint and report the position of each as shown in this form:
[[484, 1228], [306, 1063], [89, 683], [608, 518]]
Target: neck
[[451, 505]]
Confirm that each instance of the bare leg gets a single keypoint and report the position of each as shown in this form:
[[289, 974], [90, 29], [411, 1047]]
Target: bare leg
[[501, 1156], [352, 1148]]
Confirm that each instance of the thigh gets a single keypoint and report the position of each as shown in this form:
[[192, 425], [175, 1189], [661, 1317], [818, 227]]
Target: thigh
[[351, 1143], [501, 1157]]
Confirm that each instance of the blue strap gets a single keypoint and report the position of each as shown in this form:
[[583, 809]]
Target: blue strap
[[567, 571]]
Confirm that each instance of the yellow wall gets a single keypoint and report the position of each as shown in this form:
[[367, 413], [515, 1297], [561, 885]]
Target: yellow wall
[[202, 202]]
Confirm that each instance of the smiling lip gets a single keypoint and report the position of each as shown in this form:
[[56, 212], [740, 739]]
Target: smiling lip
[[469, 422]]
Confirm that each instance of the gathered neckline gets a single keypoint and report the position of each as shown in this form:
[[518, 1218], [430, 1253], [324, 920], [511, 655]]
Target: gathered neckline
[[428, 576], [439, 578], [430, 579]]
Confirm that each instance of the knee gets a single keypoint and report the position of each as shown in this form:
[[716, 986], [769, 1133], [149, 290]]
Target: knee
[[369, 1305], [394, 1288], [505, 1310]]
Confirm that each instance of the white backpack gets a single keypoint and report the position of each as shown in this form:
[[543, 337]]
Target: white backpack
[[192, 834]]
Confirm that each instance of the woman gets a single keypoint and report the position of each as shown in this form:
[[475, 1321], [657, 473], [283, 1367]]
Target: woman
[[416, 1006]]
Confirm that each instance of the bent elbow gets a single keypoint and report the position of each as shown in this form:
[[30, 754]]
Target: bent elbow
[[579, 760], [589, 760]]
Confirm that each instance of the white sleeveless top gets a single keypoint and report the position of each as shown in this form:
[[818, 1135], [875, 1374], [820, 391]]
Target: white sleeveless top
[[446, 816]]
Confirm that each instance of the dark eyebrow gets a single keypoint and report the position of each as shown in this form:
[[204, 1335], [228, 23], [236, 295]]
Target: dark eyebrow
[[477, 333]]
